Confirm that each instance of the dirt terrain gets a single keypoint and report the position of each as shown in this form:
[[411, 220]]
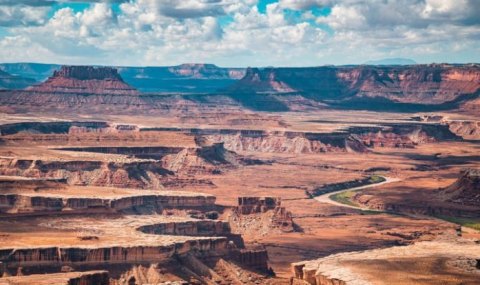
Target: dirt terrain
[[204, 192]]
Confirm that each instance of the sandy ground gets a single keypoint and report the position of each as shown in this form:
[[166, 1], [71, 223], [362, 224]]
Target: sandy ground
[[323, 227]]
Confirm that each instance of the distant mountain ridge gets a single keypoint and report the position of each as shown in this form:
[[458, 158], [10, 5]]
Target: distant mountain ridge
[[422, 84], [391, 61], [8, 81], [412, 88], [184, 78]]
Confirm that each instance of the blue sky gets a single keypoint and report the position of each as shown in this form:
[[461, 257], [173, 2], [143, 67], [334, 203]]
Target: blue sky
[[238, 32]]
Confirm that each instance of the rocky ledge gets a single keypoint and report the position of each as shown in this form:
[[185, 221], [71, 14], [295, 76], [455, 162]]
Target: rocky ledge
[[419, 260]]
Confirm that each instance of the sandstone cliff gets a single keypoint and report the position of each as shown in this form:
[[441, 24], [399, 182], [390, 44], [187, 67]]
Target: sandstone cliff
[[146, 174], [466, 190], [85, 80], [424, 84], [286, 142], [466, 129]]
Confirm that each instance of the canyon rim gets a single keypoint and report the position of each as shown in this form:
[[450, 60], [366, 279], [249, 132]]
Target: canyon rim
[[239, 142]]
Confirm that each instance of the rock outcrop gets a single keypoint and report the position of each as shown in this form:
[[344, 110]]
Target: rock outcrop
[[402, 265], [424, 84], [67, 278], [260, 216], [286, 142], [85, 80], [466, 190], [154, 203], [403, 135], [133, 254], [139, 174], [466, 129]]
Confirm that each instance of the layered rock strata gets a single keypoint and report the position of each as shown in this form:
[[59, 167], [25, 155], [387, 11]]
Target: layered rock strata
[[426, 84], [466, 190], [85, 80], [24, 204], [72, 255], [70, 278]]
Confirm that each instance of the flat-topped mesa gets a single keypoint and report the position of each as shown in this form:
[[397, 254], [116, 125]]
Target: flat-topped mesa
[[85, 80], [425, 84], [206, 71]]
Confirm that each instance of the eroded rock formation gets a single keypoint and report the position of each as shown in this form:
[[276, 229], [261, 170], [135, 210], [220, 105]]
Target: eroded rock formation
[[426, 84], [22, 204], [141, 174], [85, 80], [466, 190], [466, 129], [287, 142], [260, 216]]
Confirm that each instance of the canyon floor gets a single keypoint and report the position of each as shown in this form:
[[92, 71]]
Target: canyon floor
[[146, 199]]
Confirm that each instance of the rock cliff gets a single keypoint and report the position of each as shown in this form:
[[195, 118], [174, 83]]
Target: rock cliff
[[466, 190], [466, 129], [141, 174], [85, 80], [286, 142], [259, 216], [40, 204], [424, 84], [114, 254]]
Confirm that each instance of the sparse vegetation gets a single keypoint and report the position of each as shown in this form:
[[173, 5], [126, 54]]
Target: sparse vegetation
[[473, 223], [344, 198], [376, 179], [334, 187]]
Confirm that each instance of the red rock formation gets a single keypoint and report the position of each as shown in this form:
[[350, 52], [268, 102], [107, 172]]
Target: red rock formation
[[64, 278], [466, 190], [265, 212], [85, 80], [23, 204], [114, 254], [253, 205], [426, 84], [95, 173], [465, 129], [287, 142]]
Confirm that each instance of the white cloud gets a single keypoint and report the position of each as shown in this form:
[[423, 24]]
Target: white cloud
[[19, 15], [145, 32]]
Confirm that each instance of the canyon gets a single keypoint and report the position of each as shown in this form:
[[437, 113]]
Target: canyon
[[197, 174]]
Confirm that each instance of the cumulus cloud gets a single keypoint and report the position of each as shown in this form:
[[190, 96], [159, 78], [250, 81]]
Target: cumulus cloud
[[232, 32], [22, 15]]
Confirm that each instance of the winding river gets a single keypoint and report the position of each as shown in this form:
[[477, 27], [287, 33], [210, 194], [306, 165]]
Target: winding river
[[325, 198]]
